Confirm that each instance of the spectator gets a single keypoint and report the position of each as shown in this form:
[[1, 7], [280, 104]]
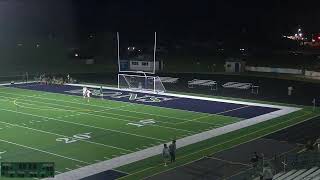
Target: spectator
[[172, 150], [254, 159], [165, 154]]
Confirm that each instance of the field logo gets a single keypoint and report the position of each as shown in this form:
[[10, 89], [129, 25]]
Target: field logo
[[127, 95], [142, 123], [75, 138]]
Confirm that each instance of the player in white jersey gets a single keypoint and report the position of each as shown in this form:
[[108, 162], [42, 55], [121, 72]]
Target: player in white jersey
[[84, 92], [88, 93]]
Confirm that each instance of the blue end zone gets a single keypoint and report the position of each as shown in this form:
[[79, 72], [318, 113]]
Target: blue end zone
[[106, 175], [196, 105]]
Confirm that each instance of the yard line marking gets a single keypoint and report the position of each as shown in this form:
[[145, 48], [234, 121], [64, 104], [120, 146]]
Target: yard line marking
[[43, 151], [229, 162], [47, 132], [105, 157], [225, 142], [195, 119], [97, 160], [86, 125], [68, 169], [78, 165], [80, 113], [58, 172], [170, 117]]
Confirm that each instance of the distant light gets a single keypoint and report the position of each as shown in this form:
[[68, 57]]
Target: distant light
[[37, 45], [295, 34], [241, 49], [133, 48], [128, 48], [19, 44], [314, 40], [300, 34], [299, 29], [319, 37], [76, 54]]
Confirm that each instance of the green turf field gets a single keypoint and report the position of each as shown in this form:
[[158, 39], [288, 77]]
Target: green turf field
[[72, 132], [68, 130]]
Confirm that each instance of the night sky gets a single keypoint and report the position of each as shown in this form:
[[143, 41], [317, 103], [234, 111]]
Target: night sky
[[196, 19]]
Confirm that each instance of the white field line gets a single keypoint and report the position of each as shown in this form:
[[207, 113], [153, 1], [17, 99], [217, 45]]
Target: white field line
[[137, 156], [187, 155], [137, 112], [47, 152], [184, 96], [96, 115], [60, 135], [230, 110], [85, 125]]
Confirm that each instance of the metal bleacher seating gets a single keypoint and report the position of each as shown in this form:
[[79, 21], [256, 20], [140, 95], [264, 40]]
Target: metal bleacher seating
[[237, 85], [302, 174], [208, 83], [240, 85], [169, 80]]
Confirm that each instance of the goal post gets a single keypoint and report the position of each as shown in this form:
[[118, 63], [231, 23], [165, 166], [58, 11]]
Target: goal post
[[140, 83]]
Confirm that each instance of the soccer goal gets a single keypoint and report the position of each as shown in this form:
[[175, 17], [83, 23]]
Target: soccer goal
[[143, 83]]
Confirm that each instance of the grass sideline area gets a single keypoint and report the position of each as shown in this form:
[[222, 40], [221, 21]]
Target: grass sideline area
[[189, 154]]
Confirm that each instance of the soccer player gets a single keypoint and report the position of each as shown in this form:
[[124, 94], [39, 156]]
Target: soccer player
[[101, 92], [84, 92], [88, 93]]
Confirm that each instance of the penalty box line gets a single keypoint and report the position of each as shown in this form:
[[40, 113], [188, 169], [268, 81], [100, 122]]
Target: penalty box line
[[181, 119], [58, 100], [79, 113], [86, 113]]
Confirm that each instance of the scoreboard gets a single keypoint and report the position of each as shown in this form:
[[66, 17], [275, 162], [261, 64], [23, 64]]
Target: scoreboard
[[27, 169]]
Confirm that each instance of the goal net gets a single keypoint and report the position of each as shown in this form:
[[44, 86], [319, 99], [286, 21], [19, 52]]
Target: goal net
[[140, 83]]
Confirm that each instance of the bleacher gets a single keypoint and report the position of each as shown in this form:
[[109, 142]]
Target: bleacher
[[169, 80], [207, 83], [240, 85], [237, 85], [302, 174]]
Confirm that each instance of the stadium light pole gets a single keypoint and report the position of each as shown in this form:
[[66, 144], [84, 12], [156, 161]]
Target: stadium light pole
[[118, 51], [154, 52]]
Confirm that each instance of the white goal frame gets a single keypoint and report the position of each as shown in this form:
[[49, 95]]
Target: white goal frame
[[157, 86]]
